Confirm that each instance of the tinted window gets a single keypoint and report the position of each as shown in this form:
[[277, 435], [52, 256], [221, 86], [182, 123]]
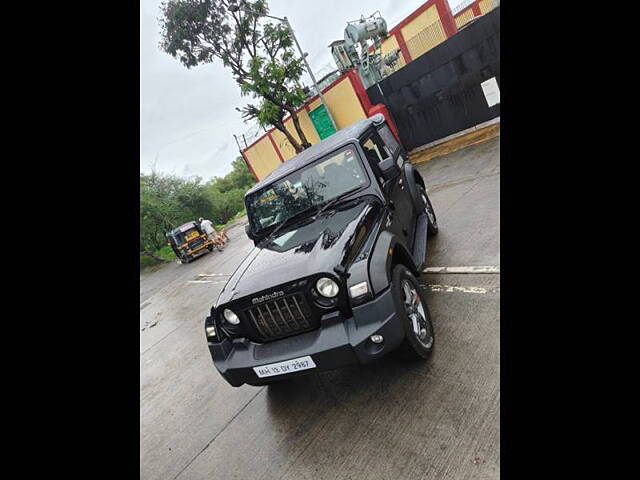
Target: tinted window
[[389, 139], [375, 149]]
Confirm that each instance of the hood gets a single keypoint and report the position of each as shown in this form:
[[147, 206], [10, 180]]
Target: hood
[[305, 248]]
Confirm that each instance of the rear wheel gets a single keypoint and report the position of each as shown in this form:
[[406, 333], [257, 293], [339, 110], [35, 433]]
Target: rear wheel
[[414, 314]]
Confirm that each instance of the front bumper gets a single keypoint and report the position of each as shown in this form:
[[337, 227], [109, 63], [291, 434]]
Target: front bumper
[[338, 342]]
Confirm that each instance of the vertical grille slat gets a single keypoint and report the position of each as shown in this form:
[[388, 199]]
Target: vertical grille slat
[[256, 323], [281, 317], [286, 304], [265, 324], [304, 321]]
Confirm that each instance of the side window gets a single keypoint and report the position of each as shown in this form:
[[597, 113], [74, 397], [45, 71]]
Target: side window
[[375, 149], [391, 143]]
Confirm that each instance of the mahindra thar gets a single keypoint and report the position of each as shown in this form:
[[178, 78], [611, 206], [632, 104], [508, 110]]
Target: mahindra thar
[[340, 234]]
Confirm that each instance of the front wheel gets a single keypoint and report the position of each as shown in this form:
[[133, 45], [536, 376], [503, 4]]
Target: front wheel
[[414, 314]]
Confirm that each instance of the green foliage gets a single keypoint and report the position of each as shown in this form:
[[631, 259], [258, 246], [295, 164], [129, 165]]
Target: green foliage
[[227, 193], [259, 53], [167, 201]]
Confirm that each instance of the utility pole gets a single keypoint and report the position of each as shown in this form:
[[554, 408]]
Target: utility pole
[[313, 78]]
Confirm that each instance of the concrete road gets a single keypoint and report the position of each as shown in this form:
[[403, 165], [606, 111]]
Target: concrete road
[[427, 420]]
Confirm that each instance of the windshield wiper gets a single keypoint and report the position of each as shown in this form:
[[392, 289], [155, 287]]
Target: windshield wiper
[[287, 221], [327, 205], [334, 201]]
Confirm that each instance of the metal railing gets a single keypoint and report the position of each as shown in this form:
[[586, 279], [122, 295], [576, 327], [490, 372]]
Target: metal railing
[[462, 6]]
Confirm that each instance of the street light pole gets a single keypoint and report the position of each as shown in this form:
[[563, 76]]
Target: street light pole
[[313, 78]]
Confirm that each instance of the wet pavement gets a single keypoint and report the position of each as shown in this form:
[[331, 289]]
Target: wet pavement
[[392, 419]]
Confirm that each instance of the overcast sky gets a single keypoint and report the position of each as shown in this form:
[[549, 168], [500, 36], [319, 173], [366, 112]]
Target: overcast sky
[[188, 117]]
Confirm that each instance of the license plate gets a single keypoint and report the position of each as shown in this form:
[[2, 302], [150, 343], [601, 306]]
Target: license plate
[[282, 368]]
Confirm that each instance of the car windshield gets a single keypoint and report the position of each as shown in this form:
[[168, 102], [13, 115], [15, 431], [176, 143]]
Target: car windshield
[[335, 175]]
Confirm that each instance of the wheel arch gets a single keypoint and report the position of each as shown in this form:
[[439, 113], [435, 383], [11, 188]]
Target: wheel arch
[[388, 252], [414, 180]]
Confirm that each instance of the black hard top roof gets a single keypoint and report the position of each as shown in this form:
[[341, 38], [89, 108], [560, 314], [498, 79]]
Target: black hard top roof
[[182, 228], [323, 147]]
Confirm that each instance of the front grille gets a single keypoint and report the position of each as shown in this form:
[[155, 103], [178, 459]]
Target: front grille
[[282, 317]]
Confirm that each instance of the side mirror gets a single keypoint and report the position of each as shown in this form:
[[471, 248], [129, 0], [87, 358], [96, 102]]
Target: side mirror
[[247, 230], [389, 169]]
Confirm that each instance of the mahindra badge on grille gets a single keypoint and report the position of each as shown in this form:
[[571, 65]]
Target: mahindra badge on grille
[[266, 297]]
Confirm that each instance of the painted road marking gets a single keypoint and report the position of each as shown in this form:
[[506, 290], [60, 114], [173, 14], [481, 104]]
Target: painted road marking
[[453, 288], [205, 281], [213, 275], [471, 269]]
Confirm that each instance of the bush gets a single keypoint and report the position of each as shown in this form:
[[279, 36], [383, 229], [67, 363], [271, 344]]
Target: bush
[[167, 201]]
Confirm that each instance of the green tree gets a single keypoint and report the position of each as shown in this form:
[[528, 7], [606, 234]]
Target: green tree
[[167, 201], [259, 54]]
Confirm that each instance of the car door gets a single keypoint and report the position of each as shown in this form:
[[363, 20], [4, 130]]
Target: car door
[[401, 208]]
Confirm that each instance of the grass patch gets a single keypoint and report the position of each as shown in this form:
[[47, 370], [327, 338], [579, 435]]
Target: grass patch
[[164, 253]]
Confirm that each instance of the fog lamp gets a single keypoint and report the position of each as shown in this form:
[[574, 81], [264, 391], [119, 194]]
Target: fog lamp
[[377, 338], [211, 331]]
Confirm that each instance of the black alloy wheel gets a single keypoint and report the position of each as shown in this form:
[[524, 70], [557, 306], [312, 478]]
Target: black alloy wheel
[[414, 313]]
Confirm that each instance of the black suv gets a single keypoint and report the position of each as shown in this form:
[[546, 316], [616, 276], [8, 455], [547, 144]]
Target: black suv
[[340, 234]]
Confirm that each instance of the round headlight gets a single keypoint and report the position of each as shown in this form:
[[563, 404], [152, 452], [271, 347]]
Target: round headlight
[[327, 287], [230, 317]]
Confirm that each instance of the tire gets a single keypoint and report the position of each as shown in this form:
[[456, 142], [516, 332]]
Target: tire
[[432, 227], [415, 345]]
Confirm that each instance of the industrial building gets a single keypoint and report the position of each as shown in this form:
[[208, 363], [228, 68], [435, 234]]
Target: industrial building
[[430, 24]]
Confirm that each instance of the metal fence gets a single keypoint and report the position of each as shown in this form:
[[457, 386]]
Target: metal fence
[[462, 6], [485, 5], [426, 39], [439, 93]]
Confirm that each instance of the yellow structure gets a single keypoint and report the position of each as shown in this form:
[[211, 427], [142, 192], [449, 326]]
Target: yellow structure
[[424, 32], [389, 45], [343, 102], [262, 157], [286, 149], [265, 155], [464, 17], [427, 26]]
